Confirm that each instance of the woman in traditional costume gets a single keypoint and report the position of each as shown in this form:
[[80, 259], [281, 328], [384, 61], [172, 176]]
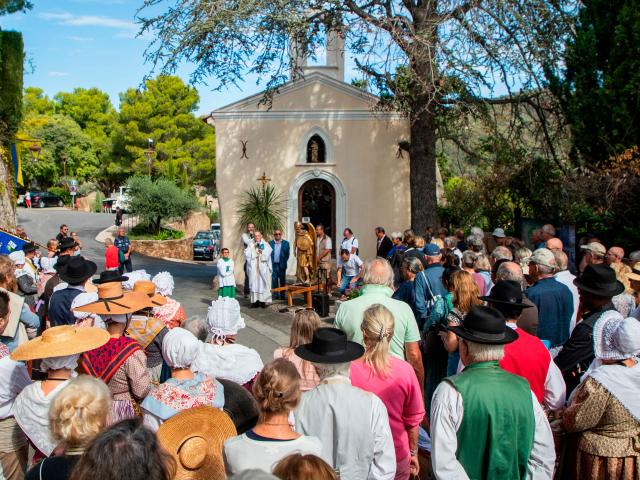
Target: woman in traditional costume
[[185, 389], [148, 330], [221, 356], [59, 348], [171, 313], [121, 362], [605, 408]]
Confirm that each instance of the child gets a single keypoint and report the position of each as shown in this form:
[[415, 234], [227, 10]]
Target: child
[[226, 279], [112, 255]]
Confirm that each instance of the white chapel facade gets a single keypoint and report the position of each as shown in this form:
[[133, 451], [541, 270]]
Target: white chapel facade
[[333, 159]]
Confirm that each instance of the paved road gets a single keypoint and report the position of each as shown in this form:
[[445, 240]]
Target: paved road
[[265, 331]]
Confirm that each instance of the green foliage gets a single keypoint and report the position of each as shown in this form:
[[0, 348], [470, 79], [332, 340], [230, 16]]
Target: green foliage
[[11, 67], [264, 207], [141, 232], [600, 88], [157, 200], [63, 193], [96, 205], [61, 137], [13, 6], [35, 102], [164, 112]]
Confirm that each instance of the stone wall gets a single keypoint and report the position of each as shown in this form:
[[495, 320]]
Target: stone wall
[[181, 249], [193, 223]]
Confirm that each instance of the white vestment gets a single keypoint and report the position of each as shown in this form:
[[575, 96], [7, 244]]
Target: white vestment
[[259, 269]]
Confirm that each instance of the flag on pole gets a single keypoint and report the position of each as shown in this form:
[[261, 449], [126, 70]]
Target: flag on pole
[[17, 164], [10, 242]]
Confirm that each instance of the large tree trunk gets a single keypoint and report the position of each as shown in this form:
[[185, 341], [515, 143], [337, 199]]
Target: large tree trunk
[[7, 205], [422, 176]]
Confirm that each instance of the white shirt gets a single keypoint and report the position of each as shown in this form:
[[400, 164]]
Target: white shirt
[[566, 278], [244, 453], [349, 244], [351, 266], [324, 243], [225, 273], [14, 377], [353, 426], [447, 411], [247, 239]]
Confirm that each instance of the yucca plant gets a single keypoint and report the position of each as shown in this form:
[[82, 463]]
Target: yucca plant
[[264, 207]]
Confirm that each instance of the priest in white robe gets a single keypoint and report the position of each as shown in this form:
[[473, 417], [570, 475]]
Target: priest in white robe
[[259, 268]]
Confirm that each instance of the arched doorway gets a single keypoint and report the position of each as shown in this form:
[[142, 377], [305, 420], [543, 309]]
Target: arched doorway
[[317, 201]]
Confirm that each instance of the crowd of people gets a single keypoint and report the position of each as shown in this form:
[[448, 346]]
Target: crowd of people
[[457, 356]]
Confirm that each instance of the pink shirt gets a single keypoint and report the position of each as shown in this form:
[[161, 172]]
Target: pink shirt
[[308, 376], [399, 392]]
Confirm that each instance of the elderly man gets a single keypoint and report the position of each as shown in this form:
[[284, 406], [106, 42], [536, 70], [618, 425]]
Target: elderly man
[[486, 423], [528, 319], [353, 425], [593, 254], [553, 299], [259, 269], [564, 276], [527, 356], [500, 253], [555, 244], [597, 286], [378, 283], [428, 283], [614, 255]]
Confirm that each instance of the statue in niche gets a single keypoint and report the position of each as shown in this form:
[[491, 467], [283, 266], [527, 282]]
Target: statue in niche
[[316, 150]]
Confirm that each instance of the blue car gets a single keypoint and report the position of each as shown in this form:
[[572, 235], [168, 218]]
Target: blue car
[[205, 245]]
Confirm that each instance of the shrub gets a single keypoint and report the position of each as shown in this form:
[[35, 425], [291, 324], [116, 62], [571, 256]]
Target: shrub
[[262, 206], [96, 206], [61, 192], [141, 232], [156, 200]]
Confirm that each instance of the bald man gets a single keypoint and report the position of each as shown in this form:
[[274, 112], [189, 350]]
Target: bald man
[[555, 244], [614, 255]]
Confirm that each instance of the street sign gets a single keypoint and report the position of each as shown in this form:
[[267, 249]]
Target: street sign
[[73, 182]]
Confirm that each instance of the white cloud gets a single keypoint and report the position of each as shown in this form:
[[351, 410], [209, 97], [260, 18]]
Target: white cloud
[[66, 18], [80, 39], [58, 74]]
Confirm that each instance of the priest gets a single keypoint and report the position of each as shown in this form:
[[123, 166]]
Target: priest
[[259, 268]]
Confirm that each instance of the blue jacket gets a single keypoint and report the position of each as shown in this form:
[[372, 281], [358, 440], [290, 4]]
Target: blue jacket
[[284, 253], [555, 309], [60, 307], [428, 286]]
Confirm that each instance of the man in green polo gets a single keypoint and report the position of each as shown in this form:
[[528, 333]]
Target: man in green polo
[[485, 422]]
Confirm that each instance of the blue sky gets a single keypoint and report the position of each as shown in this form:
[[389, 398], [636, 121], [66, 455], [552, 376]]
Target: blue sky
[[91, 43]]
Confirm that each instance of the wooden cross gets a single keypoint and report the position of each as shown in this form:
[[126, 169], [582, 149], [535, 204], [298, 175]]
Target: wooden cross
[[264, 179]]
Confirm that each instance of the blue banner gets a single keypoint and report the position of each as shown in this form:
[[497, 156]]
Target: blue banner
[[10, 243]]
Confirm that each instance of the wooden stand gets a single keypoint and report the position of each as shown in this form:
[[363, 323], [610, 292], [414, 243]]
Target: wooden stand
[[292, 290]]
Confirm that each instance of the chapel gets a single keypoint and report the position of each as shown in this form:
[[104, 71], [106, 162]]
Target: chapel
[[321, 143]]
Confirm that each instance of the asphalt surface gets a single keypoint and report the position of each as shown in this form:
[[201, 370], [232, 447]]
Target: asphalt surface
[[266, 329]]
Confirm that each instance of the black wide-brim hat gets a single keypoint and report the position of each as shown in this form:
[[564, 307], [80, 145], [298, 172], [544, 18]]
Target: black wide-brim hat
[[506, 292], [485, 325], [61, 263], [29, 247], [599, 280], [330, 345], [109, 276], [78, 270], [67, 243]]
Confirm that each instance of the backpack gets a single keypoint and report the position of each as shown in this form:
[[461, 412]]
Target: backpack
[[432, 299]]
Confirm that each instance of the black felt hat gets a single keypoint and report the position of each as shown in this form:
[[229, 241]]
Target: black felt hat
[[78, 270], [330, 345], [29, 247], [109, 276], [506, 292], [600, 280], [61, 263], [67, 243], [485, 325]]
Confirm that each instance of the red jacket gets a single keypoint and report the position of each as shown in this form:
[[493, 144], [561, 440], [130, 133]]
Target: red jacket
[[528, 358], [112, 256]]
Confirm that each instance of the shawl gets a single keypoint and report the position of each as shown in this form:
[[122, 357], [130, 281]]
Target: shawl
[[144, 329], [623, 383], [103, 362], [31, 411], [174, 396], [233, 362], [170, 313]]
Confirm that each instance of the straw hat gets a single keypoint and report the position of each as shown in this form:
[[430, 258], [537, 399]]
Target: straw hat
[[194, 438], [149, 289], [61, 341], [112, 300]]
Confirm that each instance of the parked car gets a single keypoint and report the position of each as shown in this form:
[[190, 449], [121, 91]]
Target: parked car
[[108, 205], [45, 199], [215, 227], [205, 245]]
